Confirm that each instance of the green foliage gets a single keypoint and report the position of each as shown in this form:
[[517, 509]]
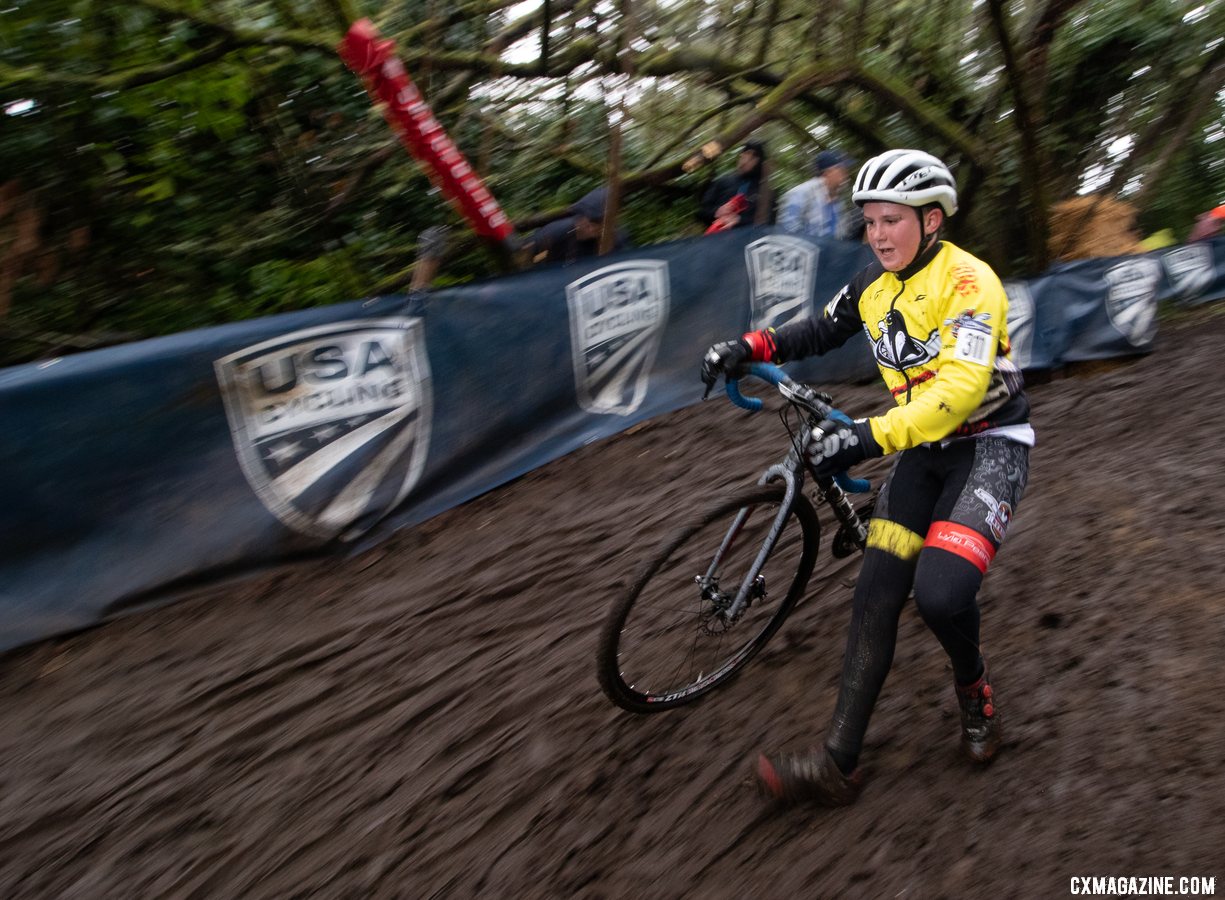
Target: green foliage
[[1200, 177], [187, 163], [280, 285]]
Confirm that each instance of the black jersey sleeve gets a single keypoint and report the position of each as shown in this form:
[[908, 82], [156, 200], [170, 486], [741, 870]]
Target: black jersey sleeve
[[832, 328]]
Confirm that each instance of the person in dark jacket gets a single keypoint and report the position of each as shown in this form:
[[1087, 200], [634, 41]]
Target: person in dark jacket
[[576, 236], [731, 200]]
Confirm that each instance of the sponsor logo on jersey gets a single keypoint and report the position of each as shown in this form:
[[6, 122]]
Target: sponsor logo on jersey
[[965, 280], [782, 279], [897, 349], [1190, 269], [969, 320], [617, 316], [971, 333], [843, 296], [1131, 298], [331, 424]]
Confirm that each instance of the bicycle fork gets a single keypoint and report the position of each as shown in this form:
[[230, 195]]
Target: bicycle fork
[[853, 535], [753, 585]]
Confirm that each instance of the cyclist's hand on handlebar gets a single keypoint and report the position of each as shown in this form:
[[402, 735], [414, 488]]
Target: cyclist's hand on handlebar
[[840, 444], [727, 358]]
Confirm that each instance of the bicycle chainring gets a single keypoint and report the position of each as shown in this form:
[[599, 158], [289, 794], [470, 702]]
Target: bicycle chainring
[[844, 545]]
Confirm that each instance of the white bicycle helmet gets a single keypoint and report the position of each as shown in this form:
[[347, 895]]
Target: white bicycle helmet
[[909, 177]]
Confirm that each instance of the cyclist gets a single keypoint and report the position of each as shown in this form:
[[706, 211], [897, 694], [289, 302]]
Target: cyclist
[[936, 319]]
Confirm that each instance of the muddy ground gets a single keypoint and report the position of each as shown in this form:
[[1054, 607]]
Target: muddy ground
[[424, 720]]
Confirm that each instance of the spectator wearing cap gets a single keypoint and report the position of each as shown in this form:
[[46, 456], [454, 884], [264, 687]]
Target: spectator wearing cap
[[731, 200], [1208, 225], [577, 235], [814, 208]]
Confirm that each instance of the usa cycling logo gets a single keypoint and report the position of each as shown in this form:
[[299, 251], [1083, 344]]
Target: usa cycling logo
[[1021, 320], [331, 424], [617, 316], [782, 278], [1190, 269], [1131, 298]]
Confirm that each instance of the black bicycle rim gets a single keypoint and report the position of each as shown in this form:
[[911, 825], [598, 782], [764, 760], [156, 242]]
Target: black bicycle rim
[[663, 644]]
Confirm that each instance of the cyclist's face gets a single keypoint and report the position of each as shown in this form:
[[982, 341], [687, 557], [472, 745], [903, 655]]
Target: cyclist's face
[[893, 232]]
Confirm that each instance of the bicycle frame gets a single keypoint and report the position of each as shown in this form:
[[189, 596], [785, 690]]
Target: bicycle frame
[[746, 609], [791, 471]]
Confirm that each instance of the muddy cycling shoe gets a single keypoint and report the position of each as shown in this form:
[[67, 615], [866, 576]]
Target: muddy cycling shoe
[[811, 777], [980, 724]]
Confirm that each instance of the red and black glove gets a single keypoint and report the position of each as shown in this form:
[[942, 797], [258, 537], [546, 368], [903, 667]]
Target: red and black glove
[[729, 358]]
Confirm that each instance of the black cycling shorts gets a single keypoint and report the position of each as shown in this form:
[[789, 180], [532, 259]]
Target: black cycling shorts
[[958, 497]]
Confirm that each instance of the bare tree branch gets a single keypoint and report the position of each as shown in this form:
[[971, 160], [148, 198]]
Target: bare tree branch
[[767, 32], [926, 115], [1041, 34], [1034, 202], [686, 134], [343, 13], [128, 78], [1155, 172], [1172, 128], [273, 37]]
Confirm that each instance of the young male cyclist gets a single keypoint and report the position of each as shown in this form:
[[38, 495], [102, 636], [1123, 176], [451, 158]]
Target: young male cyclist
[[935, 316]]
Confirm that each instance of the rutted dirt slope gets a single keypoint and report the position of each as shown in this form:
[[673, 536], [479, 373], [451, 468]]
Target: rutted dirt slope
[[424, 720]]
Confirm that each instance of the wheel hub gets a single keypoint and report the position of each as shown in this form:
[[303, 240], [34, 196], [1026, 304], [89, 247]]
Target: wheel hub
[[715, 618]]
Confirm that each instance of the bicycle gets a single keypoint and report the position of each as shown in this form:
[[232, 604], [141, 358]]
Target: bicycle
[[696, 571]]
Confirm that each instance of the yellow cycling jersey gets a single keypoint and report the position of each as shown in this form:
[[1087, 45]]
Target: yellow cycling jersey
[[939, 334]]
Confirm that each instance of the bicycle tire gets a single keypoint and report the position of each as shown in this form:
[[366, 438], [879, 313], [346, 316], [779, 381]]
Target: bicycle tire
[[625, 692]]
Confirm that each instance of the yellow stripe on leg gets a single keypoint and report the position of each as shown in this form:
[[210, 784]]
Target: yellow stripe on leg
[[895, 539]]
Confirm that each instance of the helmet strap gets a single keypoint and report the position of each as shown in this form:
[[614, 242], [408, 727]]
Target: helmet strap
[[925, 239]]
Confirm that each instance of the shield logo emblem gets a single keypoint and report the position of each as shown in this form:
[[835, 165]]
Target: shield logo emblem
[[617, 316], [331, 424], [1131, 298], [1190, 269], [1020, 322], [782, 278]]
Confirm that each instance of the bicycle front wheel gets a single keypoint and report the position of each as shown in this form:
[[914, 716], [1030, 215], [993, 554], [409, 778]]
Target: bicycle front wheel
[[675, 635]]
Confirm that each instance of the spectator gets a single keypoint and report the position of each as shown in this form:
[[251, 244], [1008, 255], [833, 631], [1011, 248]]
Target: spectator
[[731, 200], [814, 209], [1208, 225], [575, 236]]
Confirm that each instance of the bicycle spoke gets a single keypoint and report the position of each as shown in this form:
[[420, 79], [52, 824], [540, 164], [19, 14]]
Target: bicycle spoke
[[683, 632], [670, 638]]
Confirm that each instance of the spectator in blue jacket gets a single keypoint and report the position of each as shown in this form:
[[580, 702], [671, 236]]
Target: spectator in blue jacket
[[814, 209]]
